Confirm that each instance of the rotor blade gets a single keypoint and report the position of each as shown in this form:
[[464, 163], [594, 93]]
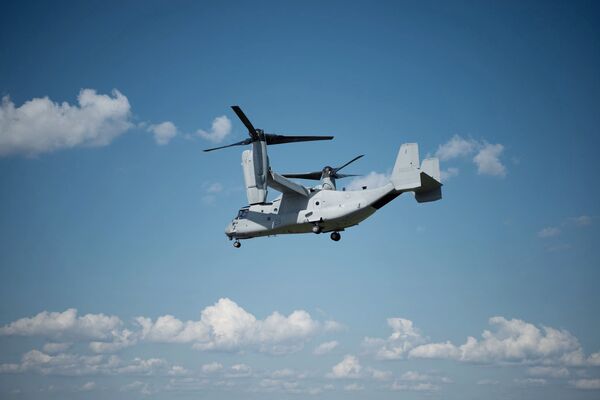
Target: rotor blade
[[243, 142], [349, 162], [315, 176], [339, 176], [279, 139], [251, 130]]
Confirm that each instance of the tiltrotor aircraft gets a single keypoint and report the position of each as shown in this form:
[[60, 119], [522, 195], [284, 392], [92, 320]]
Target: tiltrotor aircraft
[[322, 208]]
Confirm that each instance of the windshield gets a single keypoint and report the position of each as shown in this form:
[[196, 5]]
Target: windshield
[[242, 213]]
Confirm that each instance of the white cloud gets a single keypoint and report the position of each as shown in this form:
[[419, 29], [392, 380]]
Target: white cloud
[[222, 326], [163, 132], [549, 231], [487, 156], [380, 375], [488, 160], [583, 220], [586, 384], [531, 381], [82, 365], [67, 324], [510, 341], [403, 338], [52, 348], [91, 385], [449, 173], [353, 387], [371, 181], [455, 148], [41, 125], [325, 347], [417, 387], [348, 368], [221, 127], [212, 367], [551, 372]]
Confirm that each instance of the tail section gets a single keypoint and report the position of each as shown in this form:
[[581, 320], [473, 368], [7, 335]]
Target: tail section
[[407, 176]]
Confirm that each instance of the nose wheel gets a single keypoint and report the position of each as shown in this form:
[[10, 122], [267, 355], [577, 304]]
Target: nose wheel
[[335, 236], [237, 244]]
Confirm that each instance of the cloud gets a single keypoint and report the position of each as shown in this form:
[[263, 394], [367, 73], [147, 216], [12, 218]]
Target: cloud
[[91, 385], [163, 132], [83, 365], [353, 387], [449, 173], [510, 341], [52, 348], [227, 326], [549, 231], [551, 372], [65, 324], [221, 128], [416, 387], [348, 368], [456, 147], [325, 347], [404, 337], [222, 326], [486, 156], [586, 384], [583, 220], [41, 125], [212, 367], [488, 161], [371, 181]]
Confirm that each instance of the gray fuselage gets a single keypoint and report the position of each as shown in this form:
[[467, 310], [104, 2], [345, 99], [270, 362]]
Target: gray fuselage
[[330, 210]]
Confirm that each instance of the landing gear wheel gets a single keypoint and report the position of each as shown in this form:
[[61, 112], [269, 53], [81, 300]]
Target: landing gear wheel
[[316, 229], [335, 236], [237, 244]]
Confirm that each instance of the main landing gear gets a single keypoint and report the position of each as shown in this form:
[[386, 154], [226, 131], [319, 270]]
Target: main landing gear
[[335, 236], [237, 244]]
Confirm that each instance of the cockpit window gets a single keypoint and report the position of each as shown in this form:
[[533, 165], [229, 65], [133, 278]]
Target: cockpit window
[[242, 213]]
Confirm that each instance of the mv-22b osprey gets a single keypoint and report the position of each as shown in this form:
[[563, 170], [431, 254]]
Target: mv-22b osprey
[[322, 208]]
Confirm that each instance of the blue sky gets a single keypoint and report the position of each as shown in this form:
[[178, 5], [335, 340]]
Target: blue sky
[[116, 280]]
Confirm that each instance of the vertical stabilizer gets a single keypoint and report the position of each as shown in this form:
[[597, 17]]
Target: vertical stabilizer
[[405, 175]]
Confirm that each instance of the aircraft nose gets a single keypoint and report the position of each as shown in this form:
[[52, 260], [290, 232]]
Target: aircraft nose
[[229, 230]]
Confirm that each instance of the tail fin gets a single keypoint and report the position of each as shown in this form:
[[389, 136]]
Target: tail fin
[[407, 176]]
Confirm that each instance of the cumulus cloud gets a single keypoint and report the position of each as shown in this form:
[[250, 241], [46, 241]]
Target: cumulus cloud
[[509, 341], [325, 347], [67, 324], [212, 367], [163, 132], [488, 160], [83, 365], [371, 181], [220, 129], [456, 147], [449, 173], [586, 384], [348, 368], [551, 372], [41, 125], [222, 326], [486, 156], [404, 337], [582, 220], [549, 231]]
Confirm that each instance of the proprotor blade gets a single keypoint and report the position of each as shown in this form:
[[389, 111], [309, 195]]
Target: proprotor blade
[[271, 138], [315, 176], [349, 162], [251, 130], [242, 143]]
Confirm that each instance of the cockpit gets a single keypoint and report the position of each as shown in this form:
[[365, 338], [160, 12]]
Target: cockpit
[[242, 214]]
